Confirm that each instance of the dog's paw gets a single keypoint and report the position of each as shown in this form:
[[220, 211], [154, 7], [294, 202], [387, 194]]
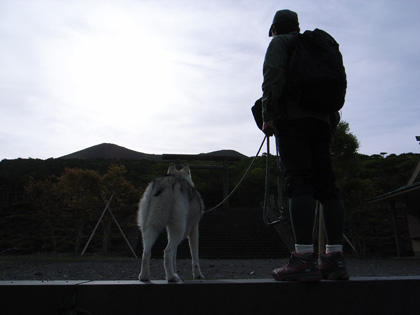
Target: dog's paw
[[144, 278], [174, 278], [199, 276]]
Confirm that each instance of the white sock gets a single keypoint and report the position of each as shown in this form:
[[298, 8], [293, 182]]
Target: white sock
[[304, 249], [334, 248]]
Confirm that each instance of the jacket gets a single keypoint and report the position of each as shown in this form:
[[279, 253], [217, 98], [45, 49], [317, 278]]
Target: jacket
[[276, 103]]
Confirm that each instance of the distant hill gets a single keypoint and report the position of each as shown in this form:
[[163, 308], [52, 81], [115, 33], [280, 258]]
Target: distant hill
[[113, 151], [227, 153], [110, 151]]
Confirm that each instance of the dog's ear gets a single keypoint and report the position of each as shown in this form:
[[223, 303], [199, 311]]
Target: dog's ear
[[171, 169], [186, 169]]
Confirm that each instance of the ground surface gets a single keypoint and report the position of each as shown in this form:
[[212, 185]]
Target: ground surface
[[92, 267]]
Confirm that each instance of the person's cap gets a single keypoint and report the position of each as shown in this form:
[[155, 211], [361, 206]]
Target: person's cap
[[283, 16]]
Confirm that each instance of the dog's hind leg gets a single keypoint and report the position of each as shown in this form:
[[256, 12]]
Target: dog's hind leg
[[175, 268], [193, 242], [174, 239], [149, 237]]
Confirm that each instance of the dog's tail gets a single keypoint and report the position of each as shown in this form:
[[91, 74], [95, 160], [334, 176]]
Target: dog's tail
[[144, 206], [155, 205]]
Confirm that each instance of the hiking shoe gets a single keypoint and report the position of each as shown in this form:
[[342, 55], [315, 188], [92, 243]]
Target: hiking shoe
[[333, 266], [301, 267]]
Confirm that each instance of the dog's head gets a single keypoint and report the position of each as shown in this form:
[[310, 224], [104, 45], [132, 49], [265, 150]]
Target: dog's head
[[184, 173]]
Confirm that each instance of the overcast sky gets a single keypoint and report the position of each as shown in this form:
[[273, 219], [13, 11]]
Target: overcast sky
[[180, 76]]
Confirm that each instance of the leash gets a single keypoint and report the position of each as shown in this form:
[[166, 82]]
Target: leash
[[267, 184], [241, 180]]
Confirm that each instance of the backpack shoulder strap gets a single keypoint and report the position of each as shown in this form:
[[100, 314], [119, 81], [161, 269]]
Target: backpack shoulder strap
[[293, 45]]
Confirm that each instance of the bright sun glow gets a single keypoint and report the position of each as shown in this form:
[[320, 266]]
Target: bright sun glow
[[108, 70]]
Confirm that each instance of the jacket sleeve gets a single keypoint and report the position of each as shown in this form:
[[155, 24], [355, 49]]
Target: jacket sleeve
[[274, 72]]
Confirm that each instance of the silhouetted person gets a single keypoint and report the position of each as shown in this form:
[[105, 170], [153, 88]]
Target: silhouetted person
[[304, 139]]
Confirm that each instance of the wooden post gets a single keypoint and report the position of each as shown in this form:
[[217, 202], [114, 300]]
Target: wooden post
[[97, 224], [107, 208], [396, 229], [321, 237], [225, 183]]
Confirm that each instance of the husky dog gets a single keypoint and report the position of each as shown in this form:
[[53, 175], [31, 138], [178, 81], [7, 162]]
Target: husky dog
[[170, 201]]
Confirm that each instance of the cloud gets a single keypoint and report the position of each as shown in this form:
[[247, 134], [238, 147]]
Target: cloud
[[180, 76]]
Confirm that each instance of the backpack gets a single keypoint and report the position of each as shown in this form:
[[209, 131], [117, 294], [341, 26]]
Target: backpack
[[316, 76]]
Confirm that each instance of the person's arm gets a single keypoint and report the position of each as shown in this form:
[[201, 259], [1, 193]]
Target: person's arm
[[274, 72]]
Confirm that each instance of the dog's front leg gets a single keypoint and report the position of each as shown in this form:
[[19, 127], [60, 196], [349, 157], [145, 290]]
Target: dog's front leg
[[193, 241]]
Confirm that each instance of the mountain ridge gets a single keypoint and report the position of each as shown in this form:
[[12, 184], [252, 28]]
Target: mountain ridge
[[113, 151]]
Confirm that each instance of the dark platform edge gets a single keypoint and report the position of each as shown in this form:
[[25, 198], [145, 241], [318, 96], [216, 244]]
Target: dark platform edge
[[359, 295]]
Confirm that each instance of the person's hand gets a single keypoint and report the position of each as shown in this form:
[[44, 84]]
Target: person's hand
[[268, 128]]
